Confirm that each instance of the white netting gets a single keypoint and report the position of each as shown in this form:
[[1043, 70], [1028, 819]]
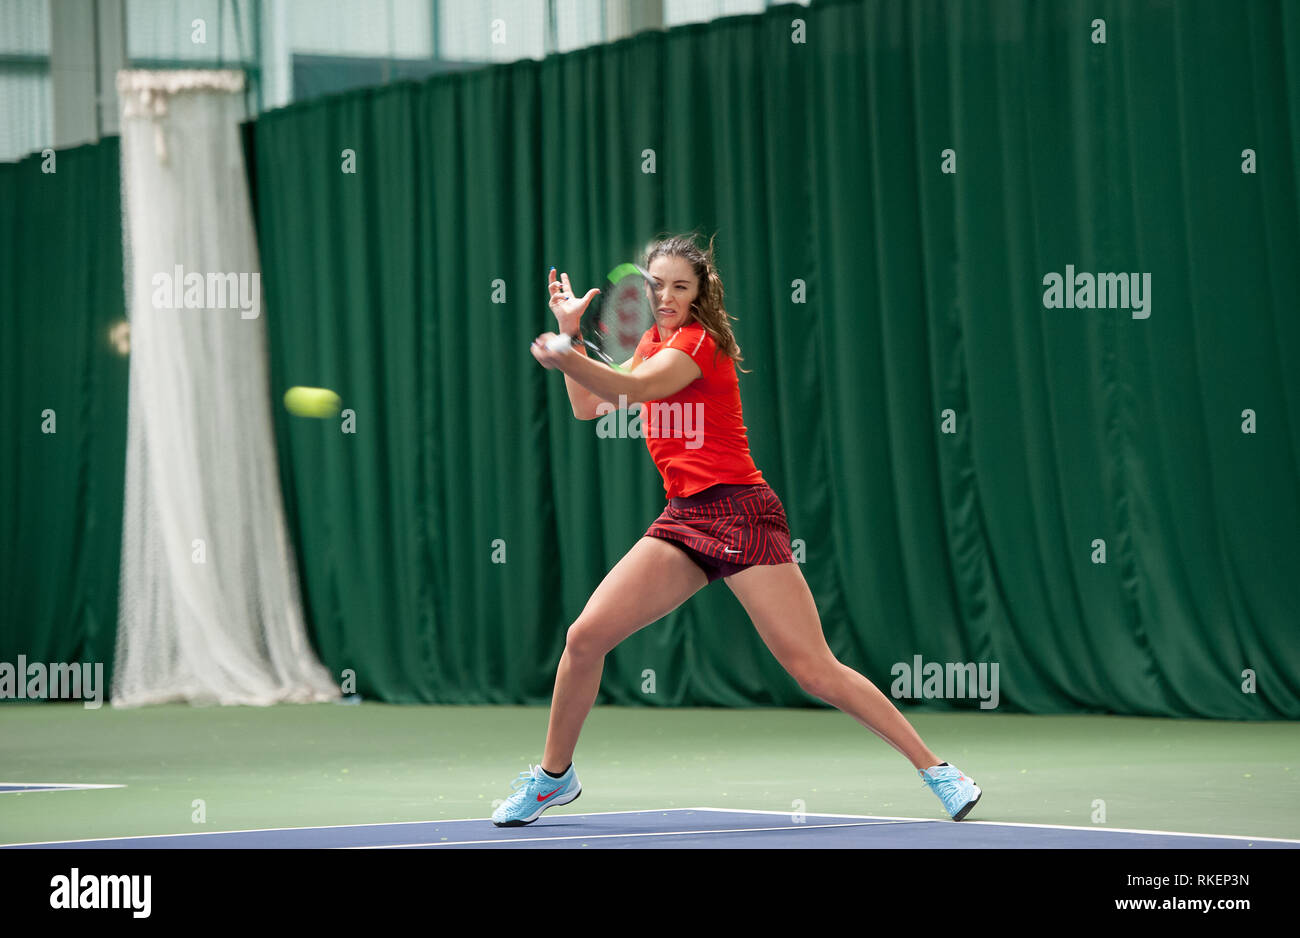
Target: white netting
[[209, 610]]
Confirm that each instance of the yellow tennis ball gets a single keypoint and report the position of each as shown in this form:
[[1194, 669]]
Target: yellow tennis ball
[[312, 402]]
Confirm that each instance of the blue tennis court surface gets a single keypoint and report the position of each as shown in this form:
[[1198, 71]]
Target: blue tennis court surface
[[702, 828]]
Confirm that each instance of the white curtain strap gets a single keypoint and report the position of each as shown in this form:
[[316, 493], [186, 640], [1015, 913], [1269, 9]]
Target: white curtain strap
[[171, 81], [144, 92]]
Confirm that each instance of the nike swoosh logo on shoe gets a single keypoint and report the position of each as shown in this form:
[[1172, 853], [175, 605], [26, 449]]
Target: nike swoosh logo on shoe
[[544, 797], [728, 550]]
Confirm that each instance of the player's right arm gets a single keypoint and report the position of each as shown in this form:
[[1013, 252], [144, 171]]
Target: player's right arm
[[586, 405]]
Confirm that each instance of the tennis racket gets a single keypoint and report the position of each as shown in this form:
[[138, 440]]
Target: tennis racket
[[616, 318]]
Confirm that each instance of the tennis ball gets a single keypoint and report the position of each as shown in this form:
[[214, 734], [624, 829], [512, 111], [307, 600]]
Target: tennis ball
[[312, 402]]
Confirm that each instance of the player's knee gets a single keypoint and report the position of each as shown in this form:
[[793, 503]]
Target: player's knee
[[583, 642], [818, 678]]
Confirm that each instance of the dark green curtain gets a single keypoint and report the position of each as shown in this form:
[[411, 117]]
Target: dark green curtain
[[61, 515], [414, 285]]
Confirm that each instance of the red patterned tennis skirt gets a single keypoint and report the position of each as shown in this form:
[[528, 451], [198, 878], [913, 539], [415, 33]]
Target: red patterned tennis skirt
[[726, 528]]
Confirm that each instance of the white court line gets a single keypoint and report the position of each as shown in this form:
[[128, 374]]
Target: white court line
[[883, 817], [1057, 827], [46, 786], [323, 827], [1138, 830], [522, 840]]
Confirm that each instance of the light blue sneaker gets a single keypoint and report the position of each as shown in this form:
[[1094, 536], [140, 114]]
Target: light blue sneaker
[[957, 792], [535, 791]]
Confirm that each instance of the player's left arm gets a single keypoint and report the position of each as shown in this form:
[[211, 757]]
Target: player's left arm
[[662, 375]]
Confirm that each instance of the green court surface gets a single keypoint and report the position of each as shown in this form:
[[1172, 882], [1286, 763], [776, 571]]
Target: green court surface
[[333, 764]]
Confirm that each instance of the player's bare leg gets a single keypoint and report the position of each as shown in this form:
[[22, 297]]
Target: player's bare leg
[[783, 611], [651, 580]]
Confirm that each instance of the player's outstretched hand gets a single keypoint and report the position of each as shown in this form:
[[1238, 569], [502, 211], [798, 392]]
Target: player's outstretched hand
[[567, 307]]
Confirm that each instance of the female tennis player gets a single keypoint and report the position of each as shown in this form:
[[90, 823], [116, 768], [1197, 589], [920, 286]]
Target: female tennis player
[[722, 521]]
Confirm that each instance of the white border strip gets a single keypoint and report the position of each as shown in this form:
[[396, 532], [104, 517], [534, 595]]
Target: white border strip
[[1060, 827], [522, 840], [27, 786], [325, 827], [876, 817]]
